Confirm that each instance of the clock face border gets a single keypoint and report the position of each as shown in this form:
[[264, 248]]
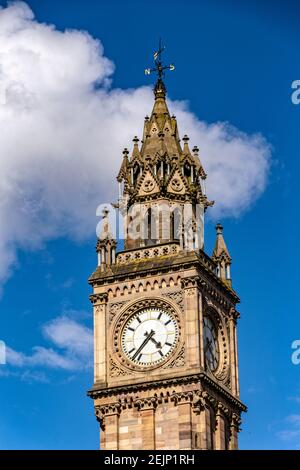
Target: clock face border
[[122, 320], [222, 370], [156, 329]]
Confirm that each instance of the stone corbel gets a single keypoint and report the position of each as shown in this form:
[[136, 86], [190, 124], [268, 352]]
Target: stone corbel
[[198, 403], [149, 403], [98, 299], [182, 397], [234, 314], [235, 422], [100, 416], [101, 412], [190, 282]]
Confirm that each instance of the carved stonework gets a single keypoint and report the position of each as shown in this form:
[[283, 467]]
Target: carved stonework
[[176, 297], [146, 403], [148, 253], [99, 298], [115, 307], [99, 308], [179, 361], [117, 371], [182, 397], [190, 282]]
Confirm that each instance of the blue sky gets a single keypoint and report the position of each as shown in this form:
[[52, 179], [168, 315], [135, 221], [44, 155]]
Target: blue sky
[[233, 64]]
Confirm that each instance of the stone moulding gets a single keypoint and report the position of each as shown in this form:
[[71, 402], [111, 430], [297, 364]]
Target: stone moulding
[[196, 379]]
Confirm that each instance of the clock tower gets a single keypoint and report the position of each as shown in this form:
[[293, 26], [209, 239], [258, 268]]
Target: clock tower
[[165, 318]]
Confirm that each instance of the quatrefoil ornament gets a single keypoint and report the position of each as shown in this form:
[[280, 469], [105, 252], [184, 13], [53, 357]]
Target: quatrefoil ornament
[[148, 186]]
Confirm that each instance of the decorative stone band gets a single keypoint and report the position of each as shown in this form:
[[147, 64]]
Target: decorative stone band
[[148, 253], [203, 383], [199, 400]]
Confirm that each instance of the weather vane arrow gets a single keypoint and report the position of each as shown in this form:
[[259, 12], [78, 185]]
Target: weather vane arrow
[[159, 67]]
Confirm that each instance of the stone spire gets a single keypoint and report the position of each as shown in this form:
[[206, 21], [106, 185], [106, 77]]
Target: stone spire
[[221, 256], [162, 170], [106, 244]]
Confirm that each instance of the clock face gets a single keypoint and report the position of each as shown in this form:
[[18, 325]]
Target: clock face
[[149, 336], [211, 345]]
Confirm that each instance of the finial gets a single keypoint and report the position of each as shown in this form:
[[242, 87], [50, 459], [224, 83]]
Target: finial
[[159, 68], [185, 139], [135, 140], [125, 152], [219, 229], [195, 150], [146, 118]]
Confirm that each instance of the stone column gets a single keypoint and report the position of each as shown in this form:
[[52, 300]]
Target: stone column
[[201, 331], [112, 431], [203, 423], [100, 331], [232, 355], [234, 429], [108, 417], [183, 401], [190, 285], [185, 426], [147, 408], [220, 428]]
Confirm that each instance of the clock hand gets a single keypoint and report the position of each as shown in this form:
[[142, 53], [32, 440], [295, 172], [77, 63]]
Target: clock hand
[[148, 337], [157, 343]]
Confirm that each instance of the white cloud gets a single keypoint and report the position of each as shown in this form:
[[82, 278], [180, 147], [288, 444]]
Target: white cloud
[[75, 343], [63, 129], [68, 334], [45, 357]]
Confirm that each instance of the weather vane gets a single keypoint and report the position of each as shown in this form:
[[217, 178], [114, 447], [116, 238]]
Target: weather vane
[[159, 67]]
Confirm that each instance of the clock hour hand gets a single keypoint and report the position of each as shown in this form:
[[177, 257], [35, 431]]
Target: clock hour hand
[[148, 337], [157, 343]]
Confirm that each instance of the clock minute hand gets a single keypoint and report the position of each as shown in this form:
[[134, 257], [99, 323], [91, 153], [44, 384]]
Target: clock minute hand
[[148, 337]]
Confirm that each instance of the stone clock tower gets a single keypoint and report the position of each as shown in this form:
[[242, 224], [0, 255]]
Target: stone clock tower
[[166, 363]]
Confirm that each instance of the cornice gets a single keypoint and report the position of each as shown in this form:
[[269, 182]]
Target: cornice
[[186, 260], [200, 378]]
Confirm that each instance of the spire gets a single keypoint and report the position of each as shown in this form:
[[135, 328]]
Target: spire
[[135, 152], [106, 244], [221, 256], [161, 154]]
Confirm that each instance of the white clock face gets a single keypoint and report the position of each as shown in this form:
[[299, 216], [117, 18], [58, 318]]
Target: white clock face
[[149, 336]]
